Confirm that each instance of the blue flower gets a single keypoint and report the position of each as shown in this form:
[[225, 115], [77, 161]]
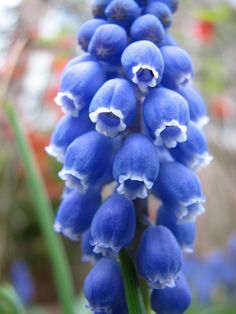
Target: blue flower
[[166, 116], [180, 191], [113, 107], [193, 153], [172, 300], [122, 12], [102, 285], [74, 94], [114, 224], [21, 279], [159, 257], [108, 43], [65, 132], [87, 30], [178, 70], [87, 160], [172, 4], [136, 166], [75, 213], [161, 11], [143, 64], [197, 106], [147, 27], [184, 233], [98, 8]]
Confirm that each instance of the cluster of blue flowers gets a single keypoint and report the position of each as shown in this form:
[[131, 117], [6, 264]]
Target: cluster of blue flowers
[[213, 273], [132, 118]]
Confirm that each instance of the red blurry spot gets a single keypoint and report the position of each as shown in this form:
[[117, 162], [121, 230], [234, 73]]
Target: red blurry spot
[[204, 31], [222, 108]]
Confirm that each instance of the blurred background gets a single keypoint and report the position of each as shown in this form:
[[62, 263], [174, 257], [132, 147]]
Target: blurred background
[[36, 40]]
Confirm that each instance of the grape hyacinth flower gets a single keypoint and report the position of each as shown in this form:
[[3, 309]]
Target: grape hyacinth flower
[[162, 12], [65, 132], [132, 127], [143, 64], [159, 257], [166, 116], [172, 300], [113, 107], [178, 70], [180, 191], [75, 213], [109, 226], [74, 94], [103, 285], [184, 233], [86, 161], [136, 166]]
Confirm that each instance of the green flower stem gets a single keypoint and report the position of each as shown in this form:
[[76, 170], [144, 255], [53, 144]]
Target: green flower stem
[[9, 298], [44, 213], [133, 291]]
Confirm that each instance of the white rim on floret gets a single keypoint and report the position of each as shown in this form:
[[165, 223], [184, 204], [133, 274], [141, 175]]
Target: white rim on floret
[[140, 192], [98, 309], [199, 161], [187, 248], [201, 122], [185, 215], [67, 176], [171, 142], [135, 79], [162, 282], [67, 232], [185, 79], [59, 101], [103, 128], [56, 151], [104, 248]]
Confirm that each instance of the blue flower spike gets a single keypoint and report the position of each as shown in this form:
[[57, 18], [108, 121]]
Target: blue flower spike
[[87, 160], [166, 116], [159, 257], [109, 226], [162, 12], [108, 43], [197, 106], [180, 191], [193, 153], [178, 71], [113, 107], [147, 27], [143, 64], [132, 127], [65, 132], [172, 300], [75, 213], [102, 285], [185, 234], [136, 167], [122, 12], [87, 30], [74, 94]]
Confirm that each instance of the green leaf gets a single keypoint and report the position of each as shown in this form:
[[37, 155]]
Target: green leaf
[[133, 291], [9, 300], [44, 214], [217, 14]]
